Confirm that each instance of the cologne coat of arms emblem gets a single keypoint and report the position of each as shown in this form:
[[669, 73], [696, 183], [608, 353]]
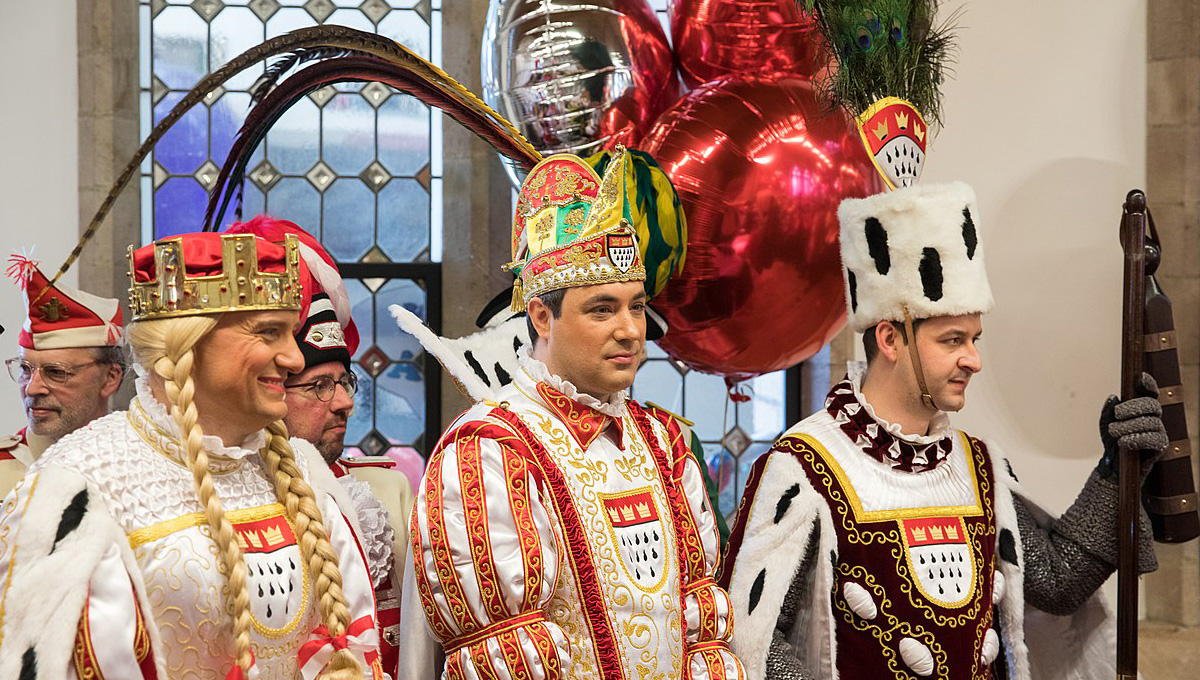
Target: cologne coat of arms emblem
[[277, 579], [940, 559], [622, 250], [639, 535]]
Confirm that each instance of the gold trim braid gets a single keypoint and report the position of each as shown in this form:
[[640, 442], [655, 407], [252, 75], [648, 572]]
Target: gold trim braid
[[140, 537]]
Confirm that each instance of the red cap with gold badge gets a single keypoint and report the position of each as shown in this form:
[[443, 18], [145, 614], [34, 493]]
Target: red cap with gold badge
[[60, 317]]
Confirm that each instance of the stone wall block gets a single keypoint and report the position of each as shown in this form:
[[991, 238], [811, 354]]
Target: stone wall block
[[1173, 26]]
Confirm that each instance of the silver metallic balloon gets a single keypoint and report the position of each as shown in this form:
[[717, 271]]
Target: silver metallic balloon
[[577, 76]]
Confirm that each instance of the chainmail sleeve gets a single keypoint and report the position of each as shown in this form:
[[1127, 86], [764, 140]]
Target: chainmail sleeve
[[1071, 558], [783, 663]]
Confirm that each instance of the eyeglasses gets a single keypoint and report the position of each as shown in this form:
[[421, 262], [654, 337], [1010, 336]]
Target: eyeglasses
[[54, 373], [325, 386]]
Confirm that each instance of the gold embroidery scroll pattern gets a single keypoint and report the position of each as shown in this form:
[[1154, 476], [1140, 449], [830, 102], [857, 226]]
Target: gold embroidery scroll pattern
[[516, 475], [640, 632], [981, 672], [566, 604], [575, 218], [887, 635], [566, 612], [693, 548], [589, 472], [474, 501], [168, 447], [452, 591], [590, 475], [86, 667], [141, 636], [844, 513], [194, 634], [432, 614]]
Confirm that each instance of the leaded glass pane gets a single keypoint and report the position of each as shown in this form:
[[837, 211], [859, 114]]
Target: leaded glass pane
[[398, 345], [403, 224], [354, 164], [348, 219], [733, 435], [400, 396]]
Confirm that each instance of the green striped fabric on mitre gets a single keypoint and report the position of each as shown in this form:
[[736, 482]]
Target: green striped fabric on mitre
[[657, 216]]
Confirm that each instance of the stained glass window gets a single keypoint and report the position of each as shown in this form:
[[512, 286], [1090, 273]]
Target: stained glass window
[[358, 165], [733, 434]]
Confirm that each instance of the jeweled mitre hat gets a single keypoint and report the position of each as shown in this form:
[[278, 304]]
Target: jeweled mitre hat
[[573, 228], [209, 273]]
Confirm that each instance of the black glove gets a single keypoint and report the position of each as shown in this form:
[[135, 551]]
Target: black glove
[[1132, 424]]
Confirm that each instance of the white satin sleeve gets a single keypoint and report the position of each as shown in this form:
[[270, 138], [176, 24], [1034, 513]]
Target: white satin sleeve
[[486, 559]]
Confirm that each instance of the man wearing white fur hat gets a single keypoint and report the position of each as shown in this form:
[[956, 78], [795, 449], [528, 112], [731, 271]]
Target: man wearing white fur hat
[[876, 541]]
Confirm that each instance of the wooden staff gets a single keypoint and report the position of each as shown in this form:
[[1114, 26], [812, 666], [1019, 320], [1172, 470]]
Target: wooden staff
[[1133, 242]]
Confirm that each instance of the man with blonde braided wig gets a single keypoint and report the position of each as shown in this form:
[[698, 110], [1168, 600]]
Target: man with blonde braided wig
[[189, 537], [562, 530]]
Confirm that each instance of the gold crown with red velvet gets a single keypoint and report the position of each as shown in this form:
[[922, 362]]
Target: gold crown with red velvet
[[209, 273]]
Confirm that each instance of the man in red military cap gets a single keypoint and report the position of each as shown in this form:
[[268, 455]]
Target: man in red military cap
[[68, 365]]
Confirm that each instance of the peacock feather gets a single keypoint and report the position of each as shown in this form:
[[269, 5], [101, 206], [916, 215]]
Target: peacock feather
[[886, 48]]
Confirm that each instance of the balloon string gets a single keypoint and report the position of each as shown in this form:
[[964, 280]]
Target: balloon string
[[737, 392]]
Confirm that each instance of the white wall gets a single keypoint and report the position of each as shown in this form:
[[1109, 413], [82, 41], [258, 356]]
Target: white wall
[[39, 183]]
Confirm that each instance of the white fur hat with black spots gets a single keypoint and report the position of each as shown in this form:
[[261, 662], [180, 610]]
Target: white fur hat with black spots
[[916, 247]]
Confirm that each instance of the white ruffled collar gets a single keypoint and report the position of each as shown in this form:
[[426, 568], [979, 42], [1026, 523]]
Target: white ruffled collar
[[939, 424], [538, 372], [157, 414]]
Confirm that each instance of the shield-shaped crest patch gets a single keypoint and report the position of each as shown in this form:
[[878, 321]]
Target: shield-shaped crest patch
[[622, 250], [638, 532], [278, 578], [940, 559]]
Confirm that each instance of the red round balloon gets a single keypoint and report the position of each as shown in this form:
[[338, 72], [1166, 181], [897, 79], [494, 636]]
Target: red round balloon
[[715, 39], [760, 168]]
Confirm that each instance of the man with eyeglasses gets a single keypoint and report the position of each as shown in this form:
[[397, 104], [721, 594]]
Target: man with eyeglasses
[[320, 400], [68, 365]]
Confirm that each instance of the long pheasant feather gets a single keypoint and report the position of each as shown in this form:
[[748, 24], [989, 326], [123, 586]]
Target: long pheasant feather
[[314, 38]]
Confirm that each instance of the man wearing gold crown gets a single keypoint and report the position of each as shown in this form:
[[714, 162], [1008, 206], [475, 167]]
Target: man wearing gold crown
[[69, 364], [190, 537], [876, 541], [562, 530]]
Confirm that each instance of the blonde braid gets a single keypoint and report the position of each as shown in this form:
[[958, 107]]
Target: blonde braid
[[300, 502], [168, 347]]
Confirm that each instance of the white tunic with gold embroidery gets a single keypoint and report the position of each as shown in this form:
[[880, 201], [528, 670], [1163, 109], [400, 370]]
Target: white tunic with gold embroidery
[[105, 548], [558, 536]]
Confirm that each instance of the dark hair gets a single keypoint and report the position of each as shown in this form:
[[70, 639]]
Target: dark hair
[[871, 346], [111, 355], [553, 299]]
